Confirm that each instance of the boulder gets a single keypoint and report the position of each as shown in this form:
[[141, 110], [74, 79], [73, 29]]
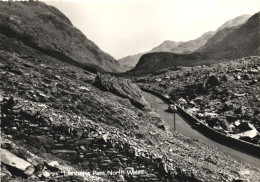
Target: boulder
[[240, 110], [212, 81], [83, 88], [226, 77], [10, 159], [199, 99], [231, 118], [248, 134], [211, 122], [245, 126], [124, 88], [227, 106]]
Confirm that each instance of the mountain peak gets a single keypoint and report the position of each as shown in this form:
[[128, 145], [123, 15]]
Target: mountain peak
[[166, 46], [235, 21]]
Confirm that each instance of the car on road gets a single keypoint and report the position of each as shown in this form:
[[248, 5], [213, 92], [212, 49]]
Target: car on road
[[172, 108]]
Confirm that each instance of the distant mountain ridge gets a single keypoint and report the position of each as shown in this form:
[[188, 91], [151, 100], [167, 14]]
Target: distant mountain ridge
[[236, 21], [240, 41], [183, 47], [192, 45], [228, 43], [166, 46], [45, 29]]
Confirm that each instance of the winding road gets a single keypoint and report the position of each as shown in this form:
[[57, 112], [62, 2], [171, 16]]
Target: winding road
[[184, 128]]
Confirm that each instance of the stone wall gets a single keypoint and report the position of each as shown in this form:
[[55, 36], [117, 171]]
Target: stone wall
[[211, 133], [220, 137]]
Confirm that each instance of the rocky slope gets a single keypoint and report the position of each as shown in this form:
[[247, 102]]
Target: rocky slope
[[235, 22], [166, 46], [192, 45], [129, 62], [55, 119], [228, 43], [243, 41], [225, 96], [58, 125], [46, 30], [153, 62], [217, 38]]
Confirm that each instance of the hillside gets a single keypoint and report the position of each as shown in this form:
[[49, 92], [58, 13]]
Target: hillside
[[129, 62], [217, 38], [228, 43], [46, 30], [240, 42], [166, 46], [192, 45], [235, 22], [153, 62], [224, 96], [60, 122], [56, 121]]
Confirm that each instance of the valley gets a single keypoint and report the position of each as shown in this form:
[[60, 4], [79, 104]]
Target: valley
[[69, 112]]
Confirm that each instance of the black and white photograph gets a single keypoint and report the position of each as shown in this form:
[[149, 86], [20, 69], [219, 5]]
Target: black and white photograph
[[130, 90]]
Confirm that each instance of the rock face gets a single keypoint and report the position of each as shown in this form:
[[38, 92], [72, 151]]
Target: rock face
[[190, 46], [43, 28], [124, 88]]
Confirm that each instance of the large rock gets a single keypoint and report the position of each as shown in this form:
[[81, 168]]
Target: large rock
[[12, 160], [124, 88], [212, 81]]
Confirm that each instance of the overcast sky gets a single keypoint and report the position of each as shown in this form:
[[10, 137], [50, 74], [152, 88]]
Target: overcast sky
[[127, 27]]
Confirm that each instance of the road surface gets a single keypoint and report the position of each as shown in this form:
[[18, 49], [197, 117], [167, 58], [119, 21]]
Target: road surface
[[184, 128]]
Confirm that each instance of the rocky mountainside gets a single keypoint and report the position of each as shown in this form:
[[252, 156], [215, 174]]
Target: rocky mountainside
[[129, 62], [166, 46], [217, 38], [45, 30], [235, 22], [153, 62], [57, 125], [60, 122], [228, 43], [192, 45], [240, 42], [225, 96]]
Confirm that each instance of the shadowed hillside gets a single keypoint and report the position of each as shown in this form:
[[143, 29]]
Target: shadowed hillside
[[242, 41], [46, 30]]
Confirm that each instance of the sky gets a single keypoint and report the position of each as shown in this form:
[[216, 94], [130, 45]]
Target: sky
[[127, 27]]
